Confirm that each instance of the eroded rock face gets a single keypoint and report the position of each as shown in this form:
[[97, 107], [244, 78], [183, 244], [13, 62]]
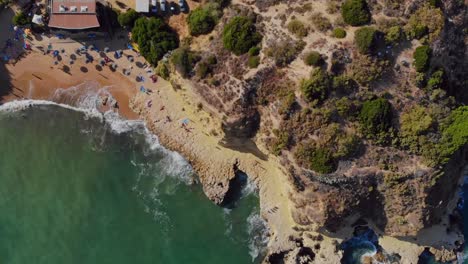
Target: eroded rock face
[[399, 207], [242, 123]]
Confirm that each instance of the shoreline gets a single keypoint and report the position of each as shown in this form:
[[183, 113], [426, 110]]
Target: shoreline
[[165, 112]]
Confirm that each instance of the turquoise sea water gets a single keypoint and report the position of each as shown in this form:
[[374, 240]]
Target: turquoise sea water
[[73, 190]]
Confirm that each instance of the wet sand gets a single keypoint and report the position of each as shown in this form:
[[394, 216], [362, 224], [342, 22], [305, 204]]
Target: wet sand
[[36, 77]]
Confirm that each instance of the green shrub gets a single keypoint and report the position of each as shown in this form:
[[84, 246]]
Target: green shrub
[[200, 21], [394, 35], [297, 28], [339, 33], [355, 12], [347, 146], [345, 107], [202, 69], [316, 88], [344, 84], [21, 19], [254, 61], [163, 71], [436, 81], [127, 19], [212, 60], [413, 124], [422, 56], [240, 34], [455, 131], [184, 60], [281, 142], [154, 38], [315, 158], [364, 39], [286, 103], [375, 117], [254, 51], [313, 58], [320, 22]]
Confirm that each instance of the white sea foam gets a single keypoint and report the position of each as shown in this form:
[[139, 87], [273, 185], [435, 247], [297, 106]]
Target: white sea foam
[[258, 230]]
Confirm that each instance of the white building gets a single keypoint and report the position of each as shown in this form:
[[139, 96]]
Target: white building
[[142, 6]]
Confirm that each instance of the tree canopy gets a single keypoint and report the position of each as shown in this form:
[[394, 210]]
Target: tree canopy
[[375, 117], [364, 39], [128, 18], [355, 12], [316, 88], [240, 34], [154, 37], [201, 21], [21, 19], [421, 56]]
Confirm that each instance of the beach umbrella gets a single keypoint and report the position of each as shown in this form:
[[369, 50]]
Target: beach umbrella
[[102, 62], [114, 66]]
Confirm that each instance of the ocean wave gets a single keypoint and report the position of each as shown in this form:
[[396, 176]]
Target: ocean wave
[[258, 230]]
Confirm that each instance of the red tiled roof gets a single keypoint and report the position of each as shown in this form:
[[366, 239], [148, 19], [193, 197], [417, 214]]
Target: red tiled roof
[[76, 19], [73, 21], [91, 4]]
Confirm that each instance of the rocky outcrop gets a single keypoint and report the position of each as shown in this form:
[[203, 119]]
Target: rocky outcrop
[[242, 123], [400, 206]]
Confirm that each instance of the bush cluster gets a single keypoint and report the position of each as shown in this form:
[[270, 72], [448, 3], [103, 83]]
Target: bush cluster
[[339, 33], [436, 80], [316, 88], [21, 19], [201, 21], [422, 56], [240, 34], [364, 39], [297, 28], [127, 19], [184, 60], [394, 35], [316, 158], [375, 117], [425, 21], [413, 124], [455, 131], [154, 37], [313, 58], [254, 61], [355, 12]]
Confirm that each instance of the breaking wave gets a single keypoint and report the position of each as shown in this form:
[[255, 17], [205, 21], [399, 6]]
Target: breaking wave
[[86, 98]]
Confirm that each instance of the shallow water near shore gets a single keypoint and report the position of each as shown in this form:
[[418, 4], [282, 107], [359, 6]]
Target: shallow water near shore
[[79, 189]]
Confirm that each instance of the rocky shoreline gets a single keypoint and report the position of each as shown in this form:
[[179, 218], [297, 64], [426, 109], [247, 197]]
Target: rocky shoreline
[[217, 167]]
